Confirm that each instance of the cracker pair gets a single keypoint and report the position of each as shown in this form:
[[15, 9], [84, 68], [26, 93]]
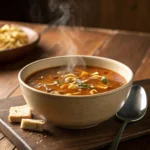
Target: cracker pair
[[23, 114]]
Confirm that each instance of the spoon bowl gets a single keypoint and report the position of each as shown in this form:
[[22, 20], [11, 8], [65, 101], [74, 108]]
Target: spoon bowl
[[133, 110], [136, 105]]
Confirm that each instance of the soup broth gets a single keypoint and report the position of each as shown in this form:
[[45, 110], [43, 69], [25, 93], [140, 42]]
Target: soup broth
[[80, 81]]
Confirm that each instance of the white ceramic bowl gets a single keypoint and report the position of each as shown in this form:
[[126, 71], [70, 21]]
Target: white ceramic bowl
[[76, 111]]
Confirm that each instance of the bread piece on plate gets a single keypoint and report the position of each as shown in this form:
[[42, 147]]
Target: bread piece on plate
[[32, 124], [16, 114]]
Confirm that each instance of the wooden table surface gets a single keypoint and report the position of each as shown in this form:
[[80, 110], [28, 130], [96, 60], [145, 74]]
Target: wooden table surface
[[130, 48]]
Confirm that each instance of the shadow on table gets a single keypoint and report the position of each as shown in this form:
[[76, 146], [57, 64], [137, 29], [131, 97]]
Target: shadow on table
[[35, 54]]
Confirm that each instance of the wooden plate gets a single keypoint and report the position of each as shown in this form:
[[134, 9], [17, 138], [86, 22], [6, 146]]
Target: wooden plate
[[12, 54]]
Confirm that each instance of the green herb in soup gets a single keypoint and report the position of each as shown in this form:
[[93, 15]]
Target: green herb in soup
[[80, 81]]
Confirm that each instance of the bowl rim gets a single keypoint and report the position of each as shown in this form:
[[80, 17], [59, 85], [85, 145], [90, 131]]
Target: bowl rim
[[26, 45], [76, 96]]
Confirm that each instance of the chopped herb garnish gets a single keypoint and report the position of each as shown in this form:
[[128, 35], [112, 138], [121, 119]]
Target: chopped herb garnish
[[61, 82], [87, 86], [84, 85], [104, 80]]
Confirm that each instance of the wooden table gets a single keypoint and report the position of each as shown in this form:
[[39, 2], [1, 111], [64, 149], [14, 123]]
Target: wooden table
[[131, 48]]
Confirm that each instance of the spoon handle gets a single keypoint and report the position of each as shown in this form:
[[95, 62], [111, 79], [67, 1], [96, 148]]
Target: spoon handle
[[116, 141]]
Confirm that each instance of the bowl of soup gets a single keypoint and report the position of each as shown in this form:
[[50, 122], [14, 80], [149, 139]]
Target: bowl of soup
[[76, 91]]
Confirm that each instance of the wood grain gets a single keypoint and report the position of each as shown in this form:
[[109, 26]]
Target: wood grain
[[144, 72], [64, 41], [1, 136], [8, 82], [5, 144], [114, 14], [129, 49], [130, 15], [16, 92], [58, 138], [132, 145]]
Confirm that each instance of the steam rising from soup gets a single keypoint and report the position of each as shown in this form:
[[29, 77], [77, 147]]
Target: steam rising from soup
[[80, 80], [61, 13]]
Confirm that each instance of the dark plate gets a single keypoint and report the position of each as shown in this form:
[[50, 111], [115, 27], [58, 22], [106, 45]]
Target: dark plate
[[12, 54]]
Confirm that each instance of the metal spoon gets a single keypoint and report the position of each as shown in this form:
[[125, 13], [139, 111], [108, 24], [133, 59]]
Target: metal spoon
[[133, 110]]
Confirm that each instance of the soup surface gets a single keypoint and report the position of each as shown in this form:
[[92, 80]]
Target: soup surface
[[80, 81]]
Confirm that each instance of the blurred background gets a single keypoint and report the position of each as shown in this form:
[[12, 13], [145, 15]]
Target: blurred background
[[131, 15]]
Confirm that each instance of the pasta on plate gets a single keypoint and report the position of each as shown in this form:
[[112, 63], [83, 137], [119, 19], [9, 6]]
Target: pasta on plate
[[12, 36]]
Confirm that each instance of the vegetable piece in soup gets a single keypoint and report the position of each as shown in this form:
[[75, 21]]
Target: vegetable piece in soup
[[80, 81]]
